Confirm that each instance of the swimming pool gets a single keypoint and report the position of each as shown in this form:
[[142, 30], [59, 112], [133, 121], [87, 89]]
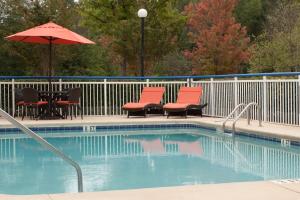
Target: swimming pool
[[115, 157]]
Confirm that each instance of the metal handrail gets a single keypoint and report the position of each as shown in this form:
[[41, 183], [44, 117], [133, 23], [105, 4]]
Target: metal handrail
[[248, 115], [232, 113], [47, 145]]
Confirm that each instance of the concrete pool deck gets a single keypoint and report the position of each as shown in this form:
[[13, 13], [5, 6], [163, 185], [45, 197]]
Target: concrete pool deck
[[229, 191]]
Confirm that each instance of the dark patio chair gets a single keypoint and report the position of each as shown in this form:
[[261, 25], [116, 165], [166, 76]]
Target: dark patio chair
[[33, 103], [69, 102], [63, 95], [19, 100]]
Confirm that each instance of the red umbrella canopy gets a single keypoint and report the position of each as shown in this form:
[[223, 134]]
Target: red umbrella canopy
[[49, 33]]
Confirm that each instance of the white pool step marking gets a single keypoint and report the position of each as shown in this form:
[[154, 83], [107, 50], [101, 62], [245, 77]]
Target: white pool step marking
[[286, 181]]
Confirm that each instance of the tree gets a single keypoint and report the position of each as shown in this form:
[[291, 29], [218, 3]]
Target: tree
[[173, 64], [250, 14], [220, 44], [118, 21], [278, 48], [253, 14]]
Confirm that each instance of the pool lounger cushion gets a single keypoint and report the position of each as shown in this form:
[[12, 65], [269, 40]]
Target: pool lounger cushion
[[148, 103], [188, 101]]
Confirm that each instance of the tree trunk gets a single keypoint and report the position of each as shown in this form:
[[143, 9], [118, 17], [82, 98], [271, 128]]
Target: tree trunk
[[124, 66]]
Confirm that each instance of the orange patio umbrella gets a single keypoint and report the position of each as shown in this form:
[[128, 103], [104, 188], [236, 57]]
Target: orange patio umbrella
[[50, 34]]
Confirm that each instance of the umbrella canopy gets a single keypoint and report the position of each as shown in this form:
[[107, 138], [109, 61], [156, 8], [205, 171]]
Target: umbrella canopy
[[49, 33]]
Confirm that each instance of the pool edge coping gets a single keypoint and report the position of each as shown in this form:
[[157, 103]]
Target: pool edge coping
[[251, 131]]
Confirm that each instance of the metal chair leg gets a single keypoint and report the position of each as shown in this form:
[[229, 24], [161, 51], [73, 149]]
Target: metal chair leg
[[23, 115], [71, 112], [79, 108]]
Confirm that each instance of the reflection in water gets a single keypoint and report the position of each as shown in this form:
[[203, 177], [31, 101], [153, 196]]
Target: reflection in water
[[154, 146], [267, 161], [118, 161], [264, 161], [7, 150], [193, 148]]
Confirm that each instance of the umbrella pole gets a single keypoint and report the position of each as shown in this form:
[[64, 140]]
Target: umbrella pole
[[50, 64], [49, 111]]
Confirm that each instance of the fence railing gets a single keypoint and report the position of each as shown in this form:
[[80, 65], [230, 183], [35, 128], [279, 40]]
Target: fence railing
[[277, 93]]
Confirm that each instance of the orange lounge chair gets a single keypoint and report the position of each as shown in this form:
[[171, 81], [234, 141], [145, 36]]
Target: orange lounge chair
[[150, 100], [188, 99]]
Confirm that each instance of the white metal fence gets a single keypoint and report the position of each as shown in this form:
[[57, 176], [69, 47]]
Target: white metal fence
[[279, 98]]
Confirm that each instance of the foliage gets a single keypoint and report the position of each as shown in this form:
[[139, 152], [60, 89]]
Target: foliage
[[253, 14], [221, 44], [278, 49], [118, 21], [173, 64], [250, 14], [211, 42]]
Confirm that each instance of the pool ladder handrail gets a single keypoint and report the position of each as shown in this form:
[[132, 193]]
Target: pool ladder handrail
[[47, 145], [231, 114], [248, 115]]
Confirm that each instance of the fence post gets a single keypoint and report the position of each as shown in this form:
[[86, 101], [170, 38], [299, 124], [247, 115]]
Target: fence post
[[188, 82], [264, 98], [212, 97], [13, 97], [236, 93], [299, 100], [147, 82], [192, 82], [105, 97], [60, 84]]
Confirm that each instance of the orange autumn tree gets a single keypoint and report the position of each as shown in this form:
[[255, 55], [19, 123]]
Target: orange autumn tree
[[220, 43]]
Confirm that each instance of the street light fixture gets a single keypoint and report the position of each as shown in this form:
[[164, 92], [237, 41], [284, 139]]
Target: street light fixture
[[142, 13]]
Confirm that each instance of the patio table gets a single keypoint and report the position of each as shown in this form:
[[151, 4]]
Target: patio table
[[51, 96]]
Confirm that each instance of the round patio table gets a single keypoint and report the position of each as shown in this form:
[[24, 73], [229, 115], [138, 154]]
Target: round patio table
[[51, 96]]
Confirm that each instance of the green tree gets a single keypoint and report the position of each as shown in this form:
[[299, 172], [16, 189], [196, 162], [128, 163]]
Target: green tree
[[117, 22], [173, 64], [250, 14], [253, 14], [278, 48]]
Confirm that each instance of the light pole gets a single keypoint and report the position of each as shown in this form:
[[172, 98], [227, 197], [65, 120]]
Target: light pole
[[142, 13]]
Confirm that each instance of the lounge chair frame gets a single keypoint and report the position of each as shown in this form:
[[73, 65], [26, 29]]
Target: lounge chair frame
[[194, 110], [149, 109]]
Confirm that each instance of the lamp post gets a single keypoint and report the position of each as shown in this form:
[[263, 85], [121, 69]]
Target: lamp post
[[142, 13]]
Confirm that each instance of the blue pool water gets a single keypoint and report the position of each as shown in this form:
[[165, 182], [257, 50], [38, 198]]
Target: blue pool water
[[127, 159]]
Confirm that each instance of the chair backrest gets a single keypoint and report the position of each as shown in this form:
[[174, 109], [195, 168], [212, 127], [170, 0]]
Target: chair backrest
[[189, 95], [18, 95], [30, 95], [152, 95], [64, 96], [74, 95]]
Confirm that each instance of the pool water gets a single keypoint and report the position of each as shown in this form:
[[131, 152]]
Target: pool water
[[129, 159]]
